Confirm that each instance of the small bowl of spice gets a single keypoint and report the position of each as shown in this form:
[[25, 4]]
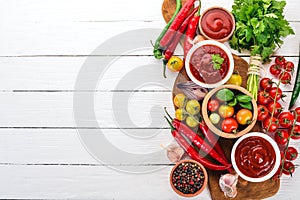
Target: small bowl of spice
[[217, 23], [188, 178]]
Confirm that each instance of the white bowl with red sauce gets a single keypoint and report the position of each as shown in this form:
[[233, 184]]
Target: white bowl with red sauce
[[200, 67], [255, 157]]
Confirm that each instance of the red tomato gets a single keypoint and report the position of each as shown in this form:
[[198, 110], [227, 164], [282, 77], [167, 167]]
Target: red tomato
[[286, 119], [295, 133], [291, 153], [280, 60], [297, 114], [271, 124], [275, 69], [229, 125], [263, 112], [288, 168], [275, 92], [277, 109], [281, 137], [263, 97], [266, 84], [213, 105], [289, 66], [285, 78]]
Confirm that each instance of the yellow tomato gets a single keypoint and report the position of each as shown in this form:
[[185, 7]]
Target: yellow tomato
[[191, 121], [180, 100], [226, 111], [244, 116], [175, 64], [235, 79], [192, 107], [180, 114]]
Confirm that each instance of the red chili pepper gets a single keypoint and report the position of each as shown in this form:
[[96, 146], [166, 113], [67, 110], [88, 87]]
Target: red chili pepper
[[191, 31], [198, 141], [193, 153], [183, 13], [212, 140]]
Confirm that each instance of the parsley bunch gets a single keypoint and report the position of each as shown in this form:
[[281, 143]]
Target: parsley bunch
[[260, 25]]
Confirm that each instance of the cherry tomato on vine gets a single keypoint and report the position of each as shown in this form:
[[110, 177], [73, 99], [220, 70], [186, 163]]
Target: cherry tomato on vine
[[285, 77], [280, 60], [289, 66], [271, 124], [266, 84], [295, 132], [291, 153], [263, 112], [288, 168], [263, 97], [229, 125], [297, 110], [277, 109], [275, 69], [275, 92], [213, 105], [281, 137], [286, 119]]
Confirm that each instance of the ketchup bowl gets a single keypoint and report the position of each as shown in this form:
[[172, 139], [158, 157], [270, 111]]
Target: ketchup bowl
[[209, 64], [255, 157]]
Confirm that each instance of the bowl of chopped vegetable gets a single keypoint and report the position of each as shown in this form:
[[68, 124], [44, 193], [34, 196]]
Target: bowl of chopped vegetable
[[229, 111], [188, 178], [209, 64]]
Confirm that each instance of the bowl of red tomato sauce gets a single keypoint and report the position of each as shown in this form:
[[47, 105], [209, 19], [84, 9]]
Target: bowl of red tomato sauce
[[255, 157], [209, 64]]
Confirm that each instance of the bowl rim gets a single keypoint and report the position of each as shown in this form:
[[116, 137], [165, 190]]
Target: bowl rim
[[215, 43], [277, 157], [231, 16], [204, 182], [219, 132]]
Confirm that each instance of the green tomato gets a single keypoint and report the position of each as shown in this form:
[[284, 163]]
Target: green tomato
[[214, 118], [193, 107], [191, 121]]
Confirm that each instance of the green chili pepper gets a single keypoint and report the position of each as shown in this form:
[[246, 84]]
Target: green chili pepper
[[296, 89]]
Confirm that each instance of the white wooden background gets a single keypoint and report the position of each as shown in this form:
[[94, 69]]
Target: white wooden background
[[43, 45]]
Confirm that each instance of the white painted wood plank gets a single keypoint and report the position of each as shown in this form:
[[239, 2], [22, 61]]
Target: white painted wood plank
[[60, 73], [64, 146]]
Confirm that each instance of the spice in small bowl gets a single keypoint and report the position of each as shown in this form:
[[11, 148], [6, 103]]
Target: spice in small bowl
[[188, 178]]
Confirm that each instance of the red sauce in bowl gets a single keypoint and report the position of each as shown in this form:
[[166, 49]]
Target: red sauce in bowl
[[201, 65], [217, 23], [255, 157]]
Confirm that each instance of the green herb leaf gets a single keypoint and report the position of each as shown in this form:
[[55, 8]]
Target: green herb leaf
[[217, 61], [233, 102], [225, 95], [243, 98], [247, 105]]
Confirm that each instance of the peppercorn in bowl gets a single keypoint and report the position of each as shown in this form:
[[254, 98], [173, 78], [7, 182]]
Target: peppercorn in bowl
[[188, 178]]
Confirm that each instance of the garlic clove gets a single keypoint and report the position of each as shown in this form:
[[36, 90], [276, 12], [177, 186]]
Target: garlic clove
[[227, 183], [174, 153]]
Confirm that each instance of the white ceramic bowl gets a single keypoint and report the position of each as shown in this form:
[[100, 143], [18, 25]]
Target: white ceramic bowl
[[215, 43], [277, 157]]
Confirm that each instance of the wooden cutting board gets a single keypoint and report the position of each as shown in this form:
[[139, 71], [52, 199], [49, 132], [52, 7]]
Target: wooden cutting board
[[246, 190]]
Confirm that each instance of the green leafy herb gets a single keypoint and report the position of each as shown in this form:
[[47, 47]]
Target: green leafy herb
[[217, 61], [247, 105], [243, 98], [260, 26], [225, 95], [233, 102]]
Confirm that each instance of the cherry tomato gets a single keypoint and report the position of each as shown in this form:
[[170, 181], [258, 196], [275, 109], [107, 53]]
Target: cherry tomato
[[175, 64], [280, 60], [285, 78], [180, 100], [192, 107], [229, 125], [288, 168], [235, 79], [266, 84], [289, 66], [275, 69], [180, 114], [277, 175], [291, 153], [286, 119], [191, 121], [226, 111], [295, 133], [213, 105], [276, 106], [297, 114], [263, 97], [281, 137], [275, 92], [271, 124], [263, 112], [244, 116]]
